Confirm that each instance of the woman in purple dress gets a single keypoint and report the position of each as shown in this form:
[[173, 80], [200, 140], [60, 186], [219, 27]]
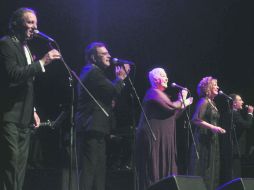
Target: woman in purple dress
[[156, 159]]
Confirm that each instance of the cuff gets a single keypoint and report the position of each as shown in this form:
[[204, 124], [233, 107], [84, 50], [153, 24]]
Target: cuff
[[42, 65]]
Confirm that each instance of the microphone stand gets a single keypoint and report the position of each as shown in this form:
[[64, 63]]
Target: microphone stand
[[190, 130], [134, 129], [140, 105], [71, 74], [232, 136]]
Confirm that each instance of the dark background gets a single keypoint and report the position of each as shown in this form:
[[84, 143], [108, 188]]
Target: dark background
[[189, 38]]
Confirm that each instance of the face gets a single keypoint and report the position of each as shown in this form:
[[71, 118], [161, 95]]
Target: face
[[238, 103], [214, 88], [103, 56], [162, 80], [29, 25]]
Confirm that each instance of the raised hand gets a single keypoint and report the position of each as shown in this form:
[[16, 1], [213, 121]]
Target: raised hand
[[50, 56]]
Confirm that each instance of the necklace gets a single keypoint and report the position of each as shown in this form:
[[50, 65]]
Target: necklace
[[212, 104]]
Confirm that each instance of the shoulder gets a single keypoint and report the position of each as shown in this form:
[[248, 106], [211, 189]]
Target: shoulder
[[155, 94], [87, 69], [7, 46], [151, 92], [5, 40], [202, 103]]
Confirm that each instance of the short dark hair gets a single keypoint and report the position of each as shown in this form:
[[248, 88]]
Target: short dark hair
[[91, 49], [233, 96], [17, 20]]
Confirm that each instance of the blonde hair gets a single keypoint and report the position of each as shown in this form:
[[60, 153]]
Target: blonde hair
[[154, 74], [204, 86]]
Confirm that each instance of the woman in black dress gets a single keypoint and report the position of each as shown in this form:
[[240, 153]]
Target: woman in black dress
[[156, 159], [206, 118]]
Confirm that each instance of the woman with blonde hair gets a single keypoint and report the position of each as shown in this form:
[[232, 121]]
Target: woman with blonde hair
[[206, 120]]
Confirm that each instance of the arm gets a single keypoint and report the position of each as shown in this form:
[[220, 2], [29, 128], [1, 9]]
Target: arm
[[198, 118], [14, 63], [241, 122], [100, 86]]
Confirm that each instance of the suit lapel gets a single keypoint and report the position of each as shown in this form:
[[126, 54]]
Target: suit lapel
[[19, 49]]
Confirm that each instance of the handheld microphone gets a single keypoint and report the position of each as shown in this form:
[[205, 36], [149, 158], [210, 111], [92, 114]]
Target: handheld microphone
[[48, 123], [117, 61], [225, 95], [43, 36], [178, 86]]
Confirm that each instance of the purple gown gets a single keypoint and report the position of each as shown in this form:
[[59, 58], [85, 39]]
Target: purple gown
[[156, 159]]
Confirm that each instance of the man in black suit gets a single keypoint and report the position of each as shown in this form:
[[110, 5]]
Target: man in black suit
[[17, 72], [233, 143], [92, 124]]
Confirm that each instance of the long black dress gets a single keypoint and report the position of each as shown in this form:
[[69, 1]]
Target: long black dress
[[156, 159], [208, 165]]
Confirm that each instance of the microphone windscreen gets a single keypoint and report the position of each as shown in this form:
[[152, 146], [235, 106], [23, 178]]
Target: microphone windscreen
[[173, 84]]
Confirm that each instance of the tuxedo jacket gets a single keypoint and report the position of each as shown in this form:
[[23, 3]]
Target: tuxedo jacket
[[16, 81], [241, 125], [89, 116]]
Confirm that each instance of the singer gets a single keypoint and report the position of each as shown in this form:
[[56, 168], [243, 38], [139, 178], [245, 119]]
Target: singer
[[237, 122], [156, 159], [206, 120], [92, 125], [17, 73]]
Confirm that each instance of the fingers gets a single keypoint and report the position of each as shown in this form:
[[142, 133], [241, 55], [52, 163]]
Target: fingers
[[127, 68], [37, 120], [184, 92], [222, 131], [122, 71], [50, 56], [219, 130], [182, 95], [190, 100], [250, 109]]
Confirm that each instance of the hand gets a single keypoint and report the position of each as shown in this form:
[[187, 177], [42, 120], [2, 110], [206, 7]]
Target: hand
[[250, 109], [182, 95], [113, 103], [50, 56], [187, 102], [37, 120], [218, 130], [122, 71]]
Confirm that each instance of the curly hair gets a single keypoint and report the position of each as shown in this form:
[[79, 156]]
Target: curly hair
[[205, 85]]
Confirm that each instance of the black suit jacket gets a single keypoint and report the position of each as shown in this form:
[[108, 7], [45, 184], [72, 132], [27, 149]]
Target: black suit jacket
[[240, 124], [89, 117], [16, 81]]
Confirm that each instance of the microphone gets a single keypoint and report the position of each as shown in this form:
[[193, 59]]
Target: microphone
[[48, 123], [246, 106], [178, 86], [225, 95], [43, 36], [117, 61]]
